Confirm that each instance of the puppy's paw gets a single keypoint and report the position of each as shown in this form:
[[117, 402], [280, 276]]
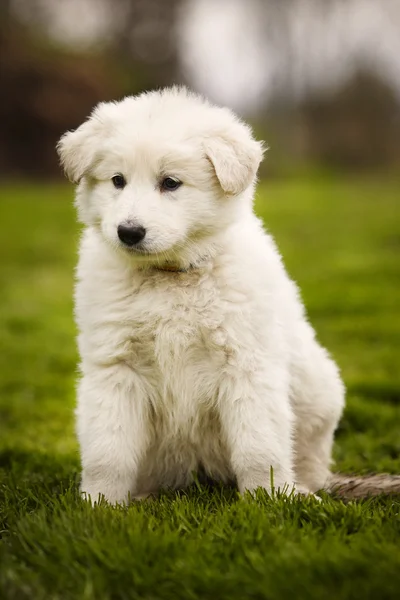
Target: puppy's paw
[[286, 491], [97, 498], [98, 492], [304, 492]]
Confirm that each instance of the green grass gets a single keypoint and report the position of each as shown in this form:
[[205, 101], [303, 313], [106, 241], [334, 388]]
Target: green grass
[[341, 242]]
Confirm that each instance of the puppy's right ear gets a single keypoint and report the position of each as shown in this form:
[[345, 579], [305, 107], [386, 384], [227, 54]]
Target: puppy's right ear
[[78, 149]]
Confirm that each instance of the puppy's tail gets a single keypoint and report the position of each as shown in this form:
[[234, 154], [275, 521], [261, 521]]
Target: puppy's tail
[[350, 487]]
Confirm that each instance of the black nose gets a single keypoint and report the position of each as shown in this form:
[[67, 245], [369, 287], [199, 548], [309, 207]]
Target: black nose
[[131, 234]]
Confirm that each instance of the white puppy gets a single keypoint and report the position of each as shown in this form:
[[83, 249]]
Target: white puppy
[[195, 349]]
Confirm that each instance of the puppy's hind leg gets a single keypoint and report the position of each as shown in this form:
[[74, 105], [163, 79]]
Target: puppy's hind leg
[[317, 394]]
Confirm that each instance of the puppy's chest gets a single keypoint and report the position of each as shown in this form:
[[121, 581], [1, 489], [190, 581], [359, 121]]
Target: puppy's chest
[[175, 327]]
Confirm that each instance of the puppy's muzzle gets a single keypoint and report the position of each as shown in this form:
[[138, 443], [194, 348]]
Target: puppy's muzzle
[[131, 235]]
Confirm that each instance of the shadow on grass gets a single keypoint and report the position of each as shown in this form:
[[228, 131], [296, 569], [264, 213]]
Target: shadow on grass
[[29, 480]]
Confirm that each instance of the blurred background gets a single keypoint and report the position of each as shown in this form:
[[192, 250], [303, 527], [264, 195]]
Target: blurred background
[[319, 79], [320, 82]]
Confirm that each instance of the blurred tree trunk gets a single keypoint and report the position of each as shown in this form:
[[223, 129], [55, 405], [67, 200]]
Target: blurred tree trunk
[[146, 40]]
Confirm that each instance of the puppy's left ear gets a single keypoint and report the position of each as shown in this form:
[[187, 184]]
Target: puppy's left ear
[[235, 159]]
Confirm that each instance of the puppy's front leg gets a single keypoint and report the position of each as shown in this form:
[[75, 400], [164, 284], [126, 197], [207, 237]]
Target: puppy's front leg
[[113, 432], [257, 425]]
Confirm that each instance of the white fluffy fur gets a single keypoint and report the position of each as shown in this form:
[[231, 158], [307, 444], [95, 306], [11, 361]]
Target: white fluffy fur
[[214, 366]]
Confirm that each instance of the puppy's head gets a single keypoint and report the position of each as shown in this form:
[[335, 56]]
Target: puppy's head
[[158, 172]]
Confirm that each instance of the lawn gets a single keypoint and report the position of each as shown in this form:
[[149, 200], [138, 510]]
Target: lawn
[[340, 240]]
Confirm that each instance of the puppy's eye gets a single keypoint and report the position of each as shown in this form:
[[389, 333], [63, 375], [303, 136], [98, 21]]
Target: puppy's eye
[[169, 184], [119, 181]]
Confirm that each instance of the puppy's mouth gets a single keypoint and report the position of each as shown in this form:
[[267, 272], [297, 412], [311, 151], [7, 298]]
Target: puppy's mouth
[[137, 250], [140, 250]]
